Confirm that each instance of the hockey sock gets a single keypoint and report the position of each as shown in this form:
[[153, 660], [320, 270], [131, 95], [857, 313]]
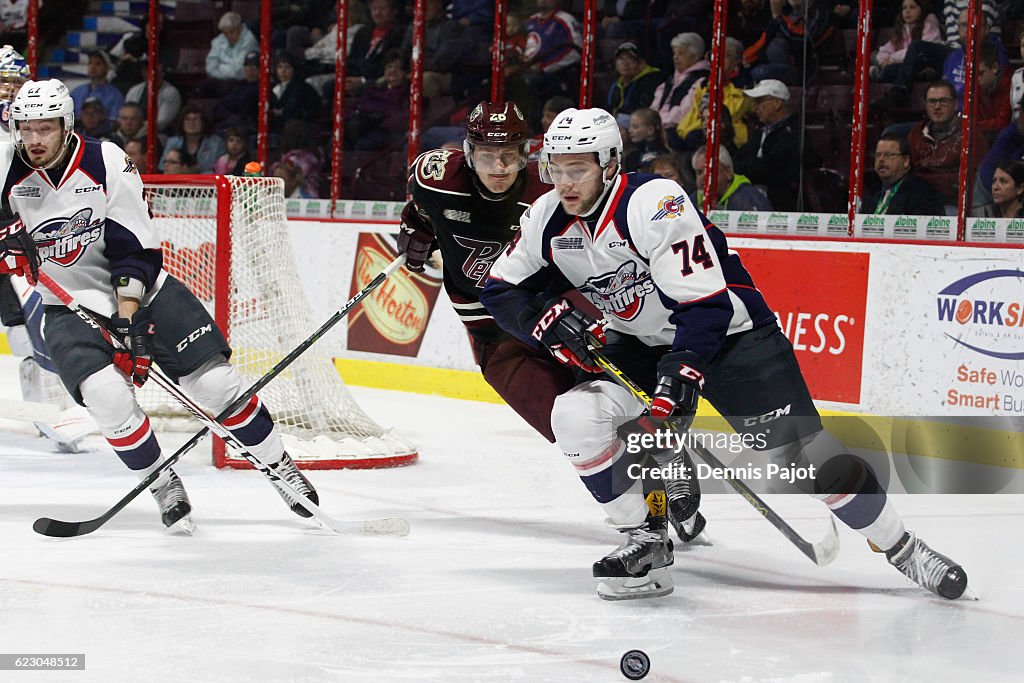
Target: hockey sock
[[111, 403]]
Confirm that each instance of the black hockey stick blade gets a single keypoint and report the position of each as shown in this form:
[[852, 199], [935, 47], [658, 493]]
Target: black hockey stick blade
[[821, 553]]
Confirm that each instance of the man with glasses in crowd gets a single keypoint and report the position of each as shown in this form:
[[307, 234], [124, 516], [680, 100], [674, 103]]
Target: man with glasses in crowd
[[935, 142], [903, 193]]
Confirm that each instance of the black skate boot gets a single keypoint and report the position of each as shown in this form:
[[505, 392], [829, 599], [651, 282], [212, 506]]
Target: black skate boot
[[175, 508], [639, 567], [683, 493], [286, 469], [927, 568]]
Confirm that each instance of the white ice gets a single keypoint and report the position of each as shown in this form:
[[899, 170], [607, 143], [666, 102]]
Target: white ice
[[493, 584]]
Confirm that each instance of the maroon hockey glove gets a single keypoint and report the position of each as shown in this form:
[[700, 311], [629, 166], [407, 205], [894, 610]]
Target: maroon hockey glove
[[414, 238], [679, 383], [563, 329], [138, 336], [18, 252]]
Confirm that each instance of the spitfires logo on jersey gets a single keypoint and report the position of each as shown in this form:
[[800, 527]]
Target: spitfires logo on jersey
[[63, 240], [621, 293], [669, 207]]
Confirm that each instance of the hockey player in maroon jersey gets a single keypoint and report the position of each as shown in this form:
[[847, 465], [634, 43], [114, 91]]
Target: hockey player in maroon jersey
[[82, 220], [683, 319], [467, 204]]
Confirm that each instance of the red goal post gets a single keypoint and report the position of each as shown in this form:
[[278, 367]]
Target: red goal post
[[222, 237]]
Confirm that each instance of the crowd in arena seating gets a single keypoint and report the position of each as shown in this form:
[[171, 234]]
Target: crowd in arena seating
[[785, 125]]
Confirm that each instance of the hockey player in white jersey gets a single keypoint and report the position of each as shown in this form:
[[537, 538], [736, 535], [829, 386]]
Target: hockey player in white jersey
[[81, 203], [682, 318], [20, 306]]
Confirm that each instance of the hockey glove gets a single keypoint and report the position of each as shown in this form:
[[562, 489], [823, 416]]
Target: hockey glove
[[18, 252], [680, 381], [414, 238], [563, 329], [138, 337]]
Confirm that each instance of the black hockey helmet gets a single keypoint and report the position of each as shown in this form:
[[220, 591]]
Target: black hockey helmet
[[495, 124]]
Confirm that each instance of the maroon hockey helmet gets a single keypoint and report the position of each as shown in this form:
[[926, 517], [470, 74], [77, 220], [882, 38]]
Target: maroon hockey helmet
[[494, 124]]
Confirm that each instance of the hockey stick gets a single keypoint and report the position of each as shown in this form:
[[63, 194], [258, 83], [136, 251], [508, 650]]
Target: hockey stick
[[394, 526], [821, 553]]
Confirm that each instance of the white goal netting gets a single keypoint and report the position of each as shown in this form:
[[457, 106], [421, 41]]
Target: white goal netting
[[222, 237]]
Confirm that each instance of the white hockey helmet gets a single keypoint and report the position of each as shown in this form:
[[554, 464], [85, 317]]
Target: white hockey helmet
[[578, 131], [42, 100]]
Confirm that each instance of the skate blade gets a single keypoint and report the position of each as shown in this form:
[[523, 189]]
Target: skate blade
[[658, 582], [183, 527]]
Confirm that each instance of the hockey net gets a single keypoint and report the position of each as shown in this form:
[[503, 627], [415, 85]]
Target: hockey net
[[226, 238]]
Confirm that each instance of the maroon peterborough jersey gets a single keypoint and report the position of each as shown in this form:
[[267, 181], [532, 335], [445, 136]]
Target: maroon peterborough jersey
[[470, 228]]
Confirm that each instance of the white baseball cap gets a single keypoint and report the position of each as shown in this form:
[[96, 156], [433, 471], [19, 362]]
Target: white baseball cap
[[769, 87]]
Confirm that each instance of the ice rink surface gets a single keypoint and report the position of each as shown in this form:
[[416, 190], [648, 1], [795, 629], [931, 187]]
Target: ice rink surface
[[493, 583]]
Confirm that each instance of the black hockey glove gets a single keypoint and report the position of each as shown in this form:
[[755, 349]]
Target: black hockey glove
[[414, 238], [18, 252], [680, 381], [563, 329], [138, 337]]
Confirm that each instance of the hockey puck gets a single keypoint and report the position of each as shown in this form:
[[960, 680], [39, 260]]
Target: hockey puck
[[635, 664]]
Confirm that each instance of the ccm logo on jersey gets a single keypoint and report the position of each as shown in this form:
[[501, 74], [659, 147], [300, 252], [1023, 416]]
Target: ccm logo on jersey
[[195, 334], [767, 417], [93, 188]]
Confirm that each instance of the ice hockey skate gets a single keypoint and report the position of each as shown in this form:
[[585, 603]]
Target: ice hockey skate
[[286, 469], [683, 493], [175, 508], [639, 568], [929, 569]]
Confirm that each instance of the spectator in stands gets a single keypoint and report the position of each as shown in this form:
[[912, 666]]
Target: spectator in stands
[[648, 140], [772, 155], [553, 45], [732, 96], [13, 23], [442, 48], [131, 124], [915, 21], [226, 59], [1007, 191], [667, 166], [196, 138], [168, 100], [178, 161], [1009, 146], [372, 41], [952, 10], [291, 97], [236, 155], [674, 97], [991, 94], [779, 52], [381, 115], [321, 55], [93, 121], [295, 173], [925, 60], [634, 88], [1017, 82], [239, 107], [935, 142], [748, 20], [299, 23], [735, 192], [903, 192], [697, 138], [303, 151], [953, 70], [97, 70], [136, 151]]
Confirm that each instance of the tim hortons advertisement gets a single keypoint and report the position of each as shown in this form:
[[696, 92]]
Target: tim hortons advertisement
[[393, 318], [971, 311], [819, 298]]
